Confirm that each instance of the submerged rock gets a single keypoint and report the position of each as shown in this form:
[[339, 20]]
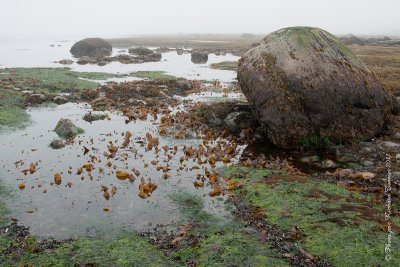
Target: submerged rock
[[303, 82], [91, 47], [199, 57], [57, 144], [67, 129], [233, 116]]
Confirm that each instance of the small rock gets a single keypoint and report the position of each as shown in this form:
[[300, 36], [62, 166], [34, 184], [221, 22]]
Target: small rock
[[57, 144], [67, 129], [36, 99], [60, 100], [89, 117], [199, 58], [66, 62]]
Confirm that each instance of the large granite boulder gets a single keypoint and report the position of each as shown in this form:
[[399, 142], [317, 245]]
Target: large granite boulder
[[91, 47], [304, 83]]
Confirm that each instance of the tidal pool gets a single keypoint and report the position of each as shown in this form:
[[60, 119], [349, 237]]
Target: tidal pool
[[45, 53], [76, 206]]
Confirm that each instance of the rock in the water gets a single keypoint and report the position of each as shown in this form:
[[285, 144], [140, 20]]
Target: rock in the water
[[60, 100], [89, 117], [240, 120], [140, 51], [199, 57], [57, 144], [36, 99], [91, 47], [66, 62], [67, 129], [303, 82]]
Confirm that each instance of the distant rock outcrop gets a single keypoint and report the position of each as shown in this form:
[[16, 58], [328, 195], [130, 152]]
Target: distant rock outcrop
[[304, 83], [140, 51], [91, 47], [143, 54]]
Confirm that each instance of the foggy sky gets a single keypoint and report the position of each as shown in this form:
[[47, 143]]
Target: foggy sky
[[129, 17]]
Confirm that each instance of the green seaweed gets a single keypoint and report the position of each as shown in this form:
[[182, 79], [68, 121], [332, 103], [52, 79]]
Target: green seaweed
[[225, 65], [125, 250], [237, 249], [12, 113], [341, 226], [152, 75]]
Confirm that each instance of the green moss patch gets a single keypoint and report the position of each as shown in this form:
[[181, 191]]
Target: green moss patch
[[54, 80], [12, 113], [152, 75], [126, 250], [346, 228], [237, 249], [226, 65]]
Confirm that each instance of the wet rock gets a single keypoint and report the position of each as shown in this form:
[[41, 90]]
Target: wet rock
[[89, 117], [125, 59], [102, 102], [303, 82], [91, 47], [199, 57], [60, 100], [184, 84], [67, 129], [240, 120], [102, 63], [86, 60], [36, 99], [229, 115], [66, 62], [140, 51], [57, 144]]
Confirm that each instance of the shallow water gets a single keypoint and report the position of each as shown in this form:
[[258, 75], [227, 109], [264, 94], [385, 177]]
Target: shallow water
[[44, 53], [65, 212]]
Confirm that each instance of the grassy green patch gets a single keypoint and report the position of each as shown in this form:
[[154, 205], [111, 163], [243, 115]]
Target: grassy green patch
[[4, 194], [339, 225], [236, 249], [152, 75], [125, 250], [192, 208], [54, 80], [226, 65], [12, 113]]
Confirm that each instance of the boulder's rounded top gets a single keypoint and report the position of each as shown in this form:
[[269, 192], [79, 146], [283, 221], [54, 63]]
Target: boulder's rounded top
[[91, 47], [303, 81]]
